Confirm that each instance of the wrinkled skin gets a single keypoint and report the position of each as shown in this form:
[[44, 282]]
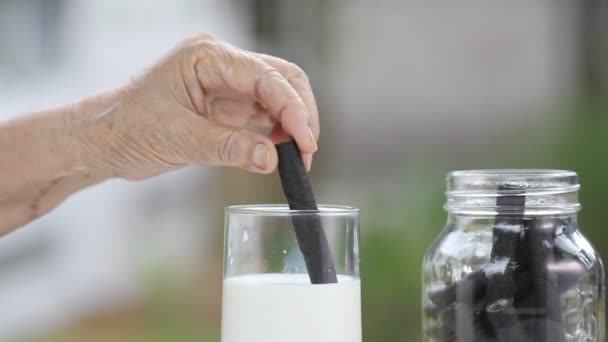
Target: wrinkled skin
[[191, 107], [196, 106]]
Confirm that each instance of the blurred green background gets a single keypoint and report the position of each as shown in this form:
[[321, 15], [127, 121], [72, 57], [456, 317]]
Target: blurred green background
[[407, 91]]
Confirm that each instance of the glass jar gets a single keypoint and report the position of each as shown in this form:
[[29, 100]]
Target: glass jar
[[512, 264], [274, 284]]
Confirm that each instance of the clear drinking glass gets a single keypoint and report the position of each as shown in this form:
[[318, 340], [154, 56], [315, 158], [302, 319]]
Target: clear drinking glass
[[512, 263], [267, 293]]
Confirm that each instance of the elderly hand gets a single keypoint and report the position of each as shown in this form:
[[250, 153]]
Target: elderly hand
[[197, 106]]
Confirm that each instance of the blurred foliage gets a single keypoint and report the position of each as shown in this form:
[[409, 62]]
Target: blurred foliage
[[393, 246], [583, 147]]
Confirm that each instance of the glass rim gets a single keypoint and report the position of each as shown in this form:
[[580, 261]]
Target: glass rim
[[283, 210]]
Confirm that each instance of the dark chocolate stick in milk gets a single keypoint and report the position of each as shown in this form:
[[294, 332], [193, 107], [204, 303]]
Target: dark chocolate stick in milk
[[308, 228]]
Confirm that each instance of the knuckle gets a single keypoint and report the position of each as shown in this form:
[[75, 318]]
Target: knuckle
[[205, 36], [232, 149], [195, 53], [297, 73], [208, 36], [240, 58], [204, 47], [270, 72], [267, 76], [227, 141], [199, 45]]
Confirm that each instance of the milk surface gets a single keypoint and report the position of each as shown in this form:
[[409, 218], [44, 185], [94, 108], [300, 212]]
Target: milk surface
[[287, 308]]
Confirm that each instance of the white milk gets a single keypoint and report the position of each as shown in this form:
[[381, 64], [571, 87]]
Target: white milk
[[287, 308]]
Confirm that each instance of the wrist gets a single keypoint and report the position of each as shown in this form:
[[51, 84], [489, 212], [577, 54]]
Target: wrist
[[92, 129]]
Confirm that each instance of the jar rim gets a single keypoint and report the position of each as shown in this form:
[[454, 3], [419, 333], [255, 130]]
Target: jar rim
[[529, 180], [544, 173], [546, 191]]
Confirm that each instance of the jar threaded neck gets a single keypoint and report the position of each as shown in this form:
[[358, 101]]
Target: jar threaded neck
[[546, 192]]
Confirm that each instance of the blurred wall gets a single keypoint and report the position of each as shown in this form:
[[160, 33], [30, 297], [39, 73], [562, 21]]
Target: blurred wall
[[402, 81]]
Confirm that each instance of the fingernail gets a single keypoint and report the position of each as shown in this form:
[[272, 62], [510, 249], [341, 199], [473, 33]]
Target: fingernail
[[261, 156], [313, 139], [308, 161]]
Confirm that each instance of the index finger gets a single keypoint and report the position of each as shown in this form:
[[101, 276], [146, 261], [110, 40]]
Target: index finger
[[300, 82], [248, 75]]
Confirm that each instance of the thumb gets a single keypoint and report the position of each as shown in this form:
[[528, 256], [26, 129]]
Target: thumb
[[238, 147]]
